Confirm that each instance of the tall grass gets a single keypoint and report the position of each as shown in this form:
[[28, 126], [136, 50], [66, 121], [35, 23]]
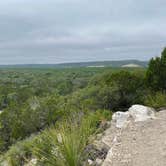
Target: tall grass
[[64, 145], [60, 145], [18, 154]]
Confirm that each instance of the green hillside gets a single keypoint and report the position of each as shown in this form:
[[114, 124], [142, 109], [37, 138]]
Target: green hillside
[[80, 64], [50, 116]]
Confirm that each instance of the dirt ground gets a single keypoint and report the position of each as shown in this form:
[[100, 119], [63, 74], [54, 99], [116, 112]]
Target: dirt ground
[[139, 144]]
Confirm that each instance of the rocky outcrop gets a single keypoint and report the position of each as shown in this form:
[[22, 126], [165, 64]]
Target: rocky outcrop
[[120, 119], [141, 113], [135, 112], [126, 128]]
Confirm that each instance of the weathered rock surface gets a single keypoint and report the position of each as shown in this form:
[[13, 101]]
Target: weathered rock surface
[[141, 113], [120, 118], [136, 112], [140, 142], [32, 162]]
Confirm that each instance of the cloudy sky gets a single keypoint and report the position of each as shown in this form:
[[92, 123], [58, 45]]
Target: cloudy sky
[[56, 31]]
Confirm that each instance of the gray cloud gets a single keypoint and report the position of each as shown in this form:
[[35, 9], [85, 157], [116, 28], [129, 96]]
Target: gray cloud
[[56, 31]]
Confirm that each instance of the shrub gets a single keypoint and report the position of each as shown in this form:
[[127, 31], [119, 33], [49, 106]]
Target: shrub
[[18, 153], [124, 89], [64, 145], [156, 73], [156, 100]]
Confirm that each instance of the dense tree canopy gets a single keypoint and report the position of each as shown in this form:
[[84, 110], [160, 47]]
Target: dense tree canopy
[[156, 73]]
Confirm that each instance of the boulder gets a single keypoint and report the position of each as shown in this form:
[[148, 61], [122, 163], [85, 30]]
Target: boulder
[[141, 113], [90, 162], [136, 112], [120, 118]]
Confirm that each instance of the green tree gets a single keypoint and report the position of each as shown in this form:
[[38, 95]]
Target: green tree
[[156, 73], [126, 89]]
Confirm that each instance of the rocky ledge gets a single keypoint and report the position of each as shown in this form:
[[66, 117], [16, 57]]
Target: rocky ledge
[[134, 138]]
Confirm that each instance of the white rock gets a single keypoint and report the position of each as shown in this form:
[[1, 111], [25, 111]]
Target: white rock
[[99, 161], [33, 162], [90, 162], [137, 112], [120, 119], [141, 113]]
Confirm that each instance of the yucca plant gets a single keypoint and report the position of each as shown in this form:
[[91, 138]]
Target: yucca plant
[[64, 145], [60, 145]]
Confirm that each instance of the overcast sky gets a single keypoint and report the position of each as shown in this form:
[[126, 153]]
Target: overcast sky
[[57, 31]]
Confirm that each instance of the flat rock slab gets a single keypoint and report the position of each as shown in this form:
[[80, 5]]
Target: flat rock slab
[[140, 144]]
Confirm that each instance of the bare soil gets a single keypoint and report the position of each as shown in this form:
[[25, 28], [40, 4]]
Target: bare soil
[[138, 144]]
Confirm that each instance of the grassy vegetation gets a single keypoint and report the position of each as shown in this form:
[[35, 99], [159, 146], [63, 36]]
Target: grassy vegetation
[[32, 100], [50, 115], [156, 100], [61, 145], [68, 141]]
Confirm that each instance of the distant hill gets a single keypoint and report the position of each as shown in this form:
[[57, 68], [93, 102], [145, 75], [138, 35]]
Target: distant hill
[[120, 63]]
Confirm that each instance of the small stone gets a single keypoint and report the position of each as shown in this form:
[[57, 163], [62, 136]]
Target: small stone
[[90, 162], [99, 162]]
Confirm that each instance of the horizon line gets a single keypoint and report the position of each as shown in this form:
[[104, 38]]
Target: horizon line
[[76, 62]]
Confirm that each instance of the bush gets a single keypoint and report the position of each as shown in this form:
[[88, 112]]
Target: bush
[[64, 145], [123, 89], [156, 100], [61, 145], [18, 154], [156, 73]]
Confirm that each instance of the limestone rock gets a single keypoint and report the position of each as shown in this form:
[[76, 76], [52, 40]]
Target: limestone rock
[[141, 113], [120, 118]]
